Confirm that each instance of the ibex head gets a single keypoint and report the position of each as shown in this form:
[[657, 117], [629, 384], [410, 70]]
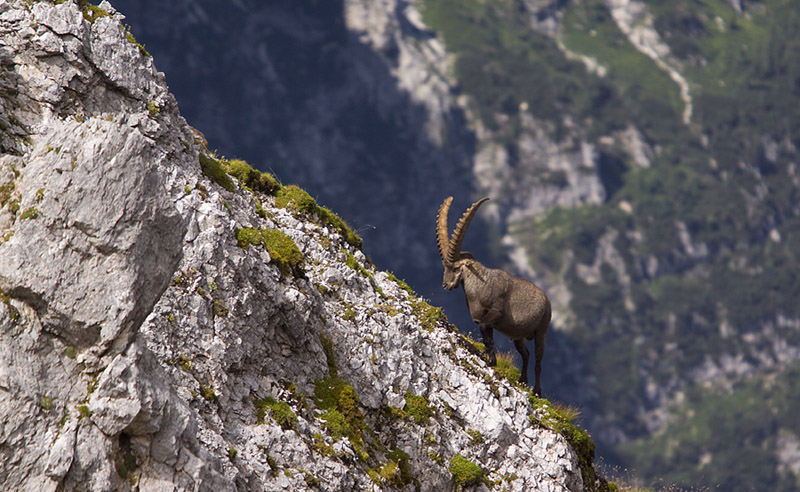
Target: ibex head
[[454, 260]]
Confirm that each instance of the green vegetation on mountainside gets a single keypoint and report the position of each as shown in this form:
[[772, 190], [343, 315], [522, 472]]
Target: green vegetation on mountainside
[[727, 438], [727, 184]]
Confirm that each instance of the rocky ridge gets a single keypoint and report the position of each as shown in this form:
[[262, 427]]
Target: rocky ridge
[[168, 327]]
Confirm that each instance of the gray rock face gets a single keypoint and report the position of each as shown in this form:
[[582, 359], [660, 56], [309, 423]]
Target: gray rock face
[[139, 338]]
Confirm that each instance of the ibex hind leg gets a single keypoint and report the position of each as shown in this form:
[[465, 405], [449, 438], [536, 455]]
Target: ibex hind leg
[[523, 351], [539, 353], [488, 340]]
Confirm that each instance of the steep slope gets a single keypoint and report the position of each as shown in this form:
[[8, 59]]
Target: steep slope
[[642, 160], [352, 100], [175, 321]]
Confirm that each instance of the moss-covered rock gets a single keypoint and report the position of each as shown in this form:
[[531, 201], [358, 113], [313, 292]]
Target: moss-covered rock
[[417, 408], [294, 198], [466, 472], [252, 178], [283, 251], [280, 411], [214, 170]]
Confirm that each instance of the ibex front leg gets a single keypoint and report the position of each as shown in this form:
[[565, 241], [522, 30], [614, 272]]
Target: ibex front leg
[[488, 339], [523, 351]]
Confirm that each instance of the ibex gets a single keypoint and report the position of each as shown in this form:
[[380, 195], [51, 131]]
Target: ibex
[[496, 299]]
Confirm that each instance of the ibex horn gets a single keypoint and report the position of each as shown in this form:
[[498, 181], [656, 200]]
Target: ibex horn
[[441, 228], [454, 246]]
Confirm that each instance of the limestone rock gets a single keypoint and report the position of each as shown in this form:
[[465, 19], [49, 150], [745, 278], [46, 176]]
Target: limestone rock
[[144, 347]]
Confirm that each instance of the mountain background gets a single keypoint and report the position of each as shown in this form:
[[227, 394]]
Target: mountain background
[[642, 161]]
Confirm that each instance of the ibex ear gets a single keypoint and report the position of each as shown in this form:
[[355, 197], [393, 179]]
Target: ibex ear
[[466, 255]]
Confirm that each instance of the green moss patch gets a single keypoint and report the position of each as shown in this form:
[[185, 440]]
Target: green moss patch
[[252, 178], [84, 412], [402, 283], [560, 418], [91, 12], [46, 403], [29, 213], [283, 252], [428, 316], [337, 425], [465, 472], [214, 170], [396, 471], [327, 346], [418, 408], [280, 411], [338, 398], [294, 198], [353, 263], [207, 392]]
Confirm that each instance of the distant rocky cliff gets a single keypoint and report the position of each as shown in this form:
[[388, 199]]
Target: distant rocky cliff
[[171, 320]]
